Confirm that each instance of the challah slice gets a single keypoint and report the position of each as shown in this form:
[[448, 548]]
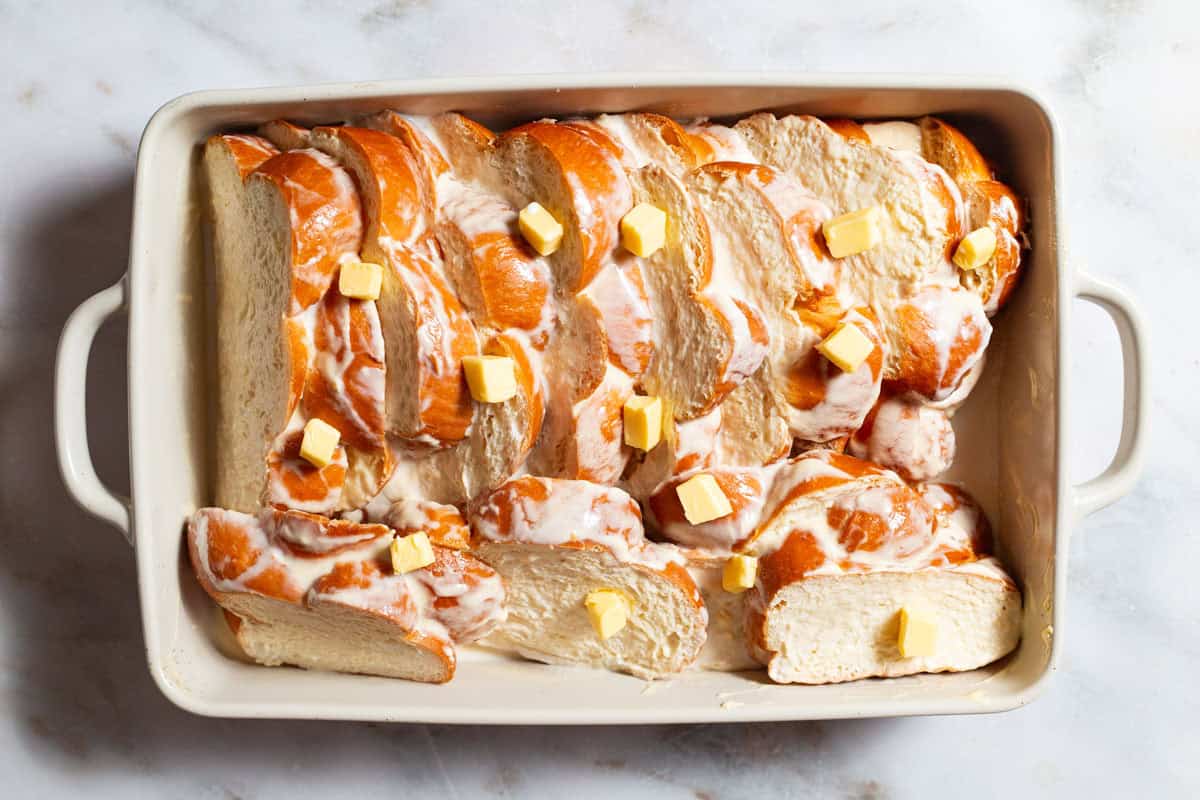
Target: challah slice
[[286, 135], [427, 332], [911, 438], [687, 445], [570, 173], [316, 593], [709, 337], [500, 279], [922, 220], [556, 541], [746, 489], [725, 645], [282, 229], [825, 403], [842, 548], [601, 337], [988, 202], [253, 402], [769, 227], [418, 136]]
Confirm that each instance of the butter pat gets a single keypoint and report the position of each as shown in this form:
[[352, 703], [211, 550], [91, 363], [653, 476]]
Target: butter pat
[[491, 379], [543, 232], [608, 610], [853, 233], [411, 552], [361, 280], [975, 249], [643, 422], [847, 347], [702, 499], [319, 443], [644, 229], [739, 574], [918, 634]]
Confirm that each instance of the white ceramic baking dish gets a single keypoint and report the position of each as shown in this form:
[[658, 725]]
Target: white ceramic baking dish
[[1013, 434]]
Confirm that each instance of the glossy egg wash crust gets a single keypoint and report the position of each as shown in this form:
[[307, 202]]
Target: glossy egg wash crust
[[429, 335]]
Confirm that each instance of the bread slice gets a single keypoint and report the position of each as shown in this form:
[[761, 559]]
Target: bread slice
[[555, 541], [286, 135], [923, 218], [989, 203], [497, 446], [281, 231], [725, 645], [829, 629], [685, 446], [745, 487], [573, 175], [725, 143], [621, 303], [709, 336], [937, 338], [501, 281], [601, 335], [911, 438], [767, 236], [243, 438], [825, 404], [426, 330], [583, 439], [418, 136], [315, 593], [842, 547]]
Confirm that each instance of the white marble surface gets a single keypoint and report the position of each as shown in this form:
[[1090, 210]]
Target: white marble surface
[[79, 710]]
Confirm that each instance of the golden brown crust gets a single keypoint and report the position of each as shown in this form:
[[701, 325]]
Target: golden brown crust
[[326, 219], [423, 150], [742, 487], [286, 135], [247, 152], [597, 189], [989, 203], [400, 232], [849, 129]]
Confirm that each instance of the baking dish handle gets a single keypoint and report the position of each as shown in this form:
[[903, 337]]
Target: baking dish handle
[[70, 408], [1119, 477]]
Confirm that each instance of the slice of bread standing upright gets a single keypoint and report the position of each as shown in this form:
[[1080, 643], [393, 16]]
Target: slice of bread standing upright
[[559, 542]]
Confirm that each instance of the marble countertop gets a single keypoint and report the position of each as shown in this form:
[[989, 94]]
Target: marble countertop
[[80, 712]]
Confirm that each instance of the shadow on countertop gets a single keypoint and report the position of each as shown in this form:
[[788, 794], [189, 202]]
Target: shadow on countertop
[[81, 696]]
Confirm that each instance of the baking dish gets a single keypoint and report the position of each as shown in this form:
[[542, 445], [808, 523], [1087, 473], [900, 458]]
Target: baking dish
[[1012, 434]]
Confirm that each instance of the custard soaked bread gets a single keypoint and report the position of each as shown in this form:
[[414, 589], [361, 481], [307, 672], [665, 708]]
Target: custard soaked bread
[[579, 391]]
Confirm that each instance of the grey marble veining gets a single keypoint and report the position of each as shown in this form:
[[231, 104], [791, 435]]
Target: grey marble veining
[[80, 711]]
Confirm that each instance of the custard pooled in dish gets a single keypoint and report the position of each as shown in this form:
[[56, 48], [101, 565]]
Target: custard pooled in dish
[[624, 392]]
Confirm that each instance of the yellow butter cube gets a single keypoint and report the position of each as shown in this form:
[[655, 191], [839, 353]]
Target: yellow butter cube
[[608, 610], [855, 232], [644, 229], [539, 227], [702, 499], [918, 634], [319, 443], [411, 552], [643, 422], [361, 280], [491, 379], [739, 574], [975, 249], [847, 347]]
